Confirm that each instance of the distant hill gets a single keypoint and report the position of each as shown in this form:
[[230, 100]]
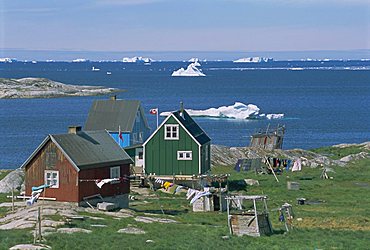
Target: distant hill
[[46, 88]]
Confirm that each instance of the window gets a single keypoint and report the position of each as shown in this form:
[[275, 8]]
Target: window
[[141, 137], [184, 155], [115, 172], [141, 155], [51, 160], [52, 178], [171, 132], [134, 138]]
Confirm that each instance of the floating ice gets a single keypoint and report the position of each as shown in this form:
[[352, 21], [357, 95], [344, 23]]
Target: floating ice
[[79, 60], [191, 70], [237, 111], [256, 59], [137, 59]]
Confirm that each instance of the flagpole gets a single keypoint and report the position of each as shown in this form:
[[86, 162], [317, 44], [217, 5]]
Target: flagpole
[[157, 117], [119, 135]]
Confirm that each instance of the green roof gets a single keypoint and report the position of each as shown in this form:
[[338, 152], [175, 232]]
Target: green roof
[[88, 149], [193, 128], [112, 114]]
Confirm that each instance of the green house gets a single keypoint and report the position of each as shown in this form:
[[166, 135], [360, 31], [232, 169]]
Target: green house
[[178, 147]]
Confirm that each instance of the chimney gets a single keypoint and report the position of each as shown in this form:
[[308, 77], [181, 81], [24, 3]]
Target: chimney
[[74, 129], [113, 97]]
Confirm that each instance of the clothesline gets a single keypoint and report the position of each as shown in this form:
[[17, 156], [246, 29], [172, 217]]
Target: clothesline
[[174, 188], [101, 182]]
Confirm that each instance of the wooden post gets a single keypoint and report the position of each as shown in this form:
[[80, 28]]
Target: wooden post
[[256, 214], [39, 221], [272, 170], [13, 199], [220, 200], [229, 217]]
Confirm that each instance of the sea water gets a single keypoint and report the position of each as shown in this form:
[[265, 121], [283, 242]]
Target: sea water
[[324, 103]]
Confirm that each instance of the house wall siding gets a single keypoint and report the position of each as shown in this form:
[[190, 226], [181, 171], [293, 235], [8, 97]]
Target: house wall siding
[[161, 154], [88, 188], [68, 178]]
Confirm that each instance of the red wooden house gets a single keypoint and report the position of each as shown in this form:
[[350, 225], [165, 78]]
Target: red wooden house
[[72, 162]]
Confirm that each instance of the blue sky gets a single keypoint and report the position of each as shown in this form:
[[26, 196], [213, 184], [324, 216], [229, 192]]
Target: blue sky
[[193, 25]]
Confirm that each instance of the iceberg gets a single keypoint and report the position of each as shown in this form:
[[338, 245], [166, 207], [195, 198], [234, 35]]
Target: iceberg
[[191, 70], [256, 59], [238, 111], [6, 60], [194, 59], [137, 59], [79, 60]]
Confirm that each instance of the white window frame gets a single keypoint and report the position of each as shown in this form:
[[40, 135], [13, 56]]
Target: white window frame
[[134, 138], [171, 129], [114, 171], [184, 155], [53, 177], [141, 137]]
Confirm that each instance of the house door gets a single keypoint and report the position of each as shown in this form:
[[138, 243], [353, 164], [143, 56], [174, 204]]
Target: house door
[[139, 161]]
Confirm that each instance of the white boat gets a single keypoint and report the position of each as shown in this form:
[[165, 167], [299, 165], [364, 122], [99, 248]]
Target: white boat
[[95, 69], [109, 73]]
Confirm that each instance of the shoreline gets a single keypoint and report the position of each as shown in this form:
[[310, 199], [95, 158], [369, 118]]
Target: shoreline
[[43, 88]]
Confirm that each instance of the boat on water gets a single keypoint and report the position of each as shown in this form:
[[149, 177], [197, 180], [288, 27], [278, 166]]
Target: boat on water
[[109, 73], [95, 69]]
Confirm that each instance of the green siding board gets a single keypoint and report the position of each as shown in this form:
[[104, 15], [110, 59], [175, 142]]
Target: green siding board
[[161, 154]]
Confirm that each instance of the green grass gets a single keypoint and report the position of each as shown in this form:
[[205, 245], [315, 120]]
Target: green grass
[[336, 153], [3, 173], [341, 221]]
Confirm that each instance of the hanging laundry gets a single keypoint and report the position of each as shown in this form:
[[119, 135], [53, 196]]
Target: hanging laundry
[[167, 184], [100, 183], [33, 199], [198, 195], [190, 193], [156, 180], [297, 165], [178, 188], [42, 187]]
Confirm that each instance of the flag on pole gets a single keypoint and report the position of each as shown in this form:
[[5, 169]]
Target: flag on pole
[[153, 111], [120, 133]]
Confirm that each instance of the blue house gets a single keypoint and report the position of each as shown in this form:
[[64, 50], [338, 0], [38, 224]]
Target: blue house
[[125, 117]]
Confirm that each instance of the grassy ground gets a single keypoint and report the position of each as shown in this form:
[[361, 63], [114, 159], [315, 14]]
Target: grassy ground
[[339, 220]]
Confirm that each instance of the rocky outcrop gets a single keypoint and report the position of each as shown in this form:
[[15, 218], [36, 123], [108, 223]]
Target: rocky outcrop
[[45, 88], [12, 180], [355, 157], [228, 156]]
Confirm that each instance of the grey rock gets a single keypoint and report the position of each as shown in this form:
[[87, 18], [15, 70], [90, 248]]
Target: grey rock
[[251, 182], [151, 220], [45, 88], [29, 247], [355, 157], [73, 230], [131, 230], [12, 180]]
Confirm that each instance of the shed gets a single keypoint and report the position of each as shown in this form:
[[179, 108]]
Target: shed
[[73, 162], [248, 219], [269, 138], [179, 146]]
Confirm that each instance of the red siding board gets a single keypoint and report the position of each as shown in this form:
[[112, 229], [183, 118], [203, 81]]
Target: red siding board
[[70, 188]]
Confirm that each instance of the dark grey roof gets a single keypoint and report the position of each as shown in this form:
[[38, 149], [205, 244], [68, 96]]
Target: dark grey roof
[[193, 128], [88, 149], [110, 114]]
